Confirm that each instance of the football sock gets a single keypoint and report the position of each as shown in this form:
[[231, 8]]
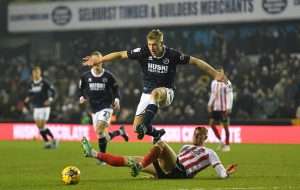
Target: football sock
[[43, 133], [114, 134], [226, 135], [121, 132], [48, 132], [150, 112], [151, 156], [152, 131], [102, 144], [215, 130], [110, 159]]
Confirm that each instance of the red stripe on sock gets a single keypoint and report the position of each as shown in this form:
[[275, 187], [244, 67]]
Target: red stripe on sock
[[215, 130], [227, 135]]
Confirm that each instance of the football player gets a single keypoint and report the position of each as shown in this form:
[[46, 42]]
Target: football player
[[219, 109], [158, 63], [41, 94], [162, 161], [99, 87]]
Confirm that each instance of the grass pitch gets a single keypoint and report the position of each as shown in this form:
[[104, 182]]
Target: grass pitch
[[25, 165]]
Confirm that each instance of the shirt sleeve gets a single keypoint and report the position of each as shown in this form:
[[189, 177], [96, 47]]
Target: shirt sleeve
[[221, 171], [213, 157], [180, 58], [229, 95], [137, 53], [213, 93], [81, 87], [115, 88], [217, 164], [29, 91], [50, 89]]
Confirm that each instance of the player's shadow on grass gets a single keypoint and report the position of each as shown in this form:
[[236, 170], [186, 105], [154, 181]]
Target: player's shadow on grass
[[124, 180]]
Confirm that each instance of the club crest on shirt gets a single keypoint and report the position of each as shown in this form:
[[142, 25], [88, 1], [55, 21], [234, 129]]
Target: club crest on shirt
[[199, 151], [104, 80], [181, 57], [166, 61], [90, 79]]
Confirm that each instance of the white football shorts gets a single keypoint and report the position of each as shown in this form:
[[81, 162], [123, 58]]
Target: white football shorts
[[102, 115], [41, 113], [146, 100]]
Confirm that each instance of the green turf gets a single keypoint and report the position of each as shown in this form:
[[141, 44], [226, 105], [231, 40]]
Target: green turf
[[26, 165]]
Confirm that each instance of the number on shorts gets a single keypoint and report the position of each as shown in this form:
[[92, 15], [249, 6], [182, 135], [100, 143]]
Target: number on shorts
[[106, 114]]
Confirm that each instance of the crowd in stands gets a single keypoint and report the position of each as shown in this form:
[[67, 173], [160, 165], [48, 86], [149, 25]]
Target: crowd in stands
[[261, 60]]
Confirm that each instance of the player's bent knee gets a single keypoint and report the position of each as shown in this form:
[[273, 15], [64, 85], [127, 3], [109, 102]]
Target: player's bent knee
[[155, 94], [159, 92], [161, 144], [225, 121], [137, 121], [40, 124], [101, 127], [159, 95]]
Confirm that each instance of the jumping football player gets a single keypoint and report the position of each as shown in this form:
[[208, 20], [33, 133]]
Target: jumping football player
[[158, 63]]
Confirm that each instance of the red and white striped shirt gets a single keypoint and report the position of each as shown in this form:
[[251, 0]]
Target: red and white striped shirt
[[196, 158], [221, 97]]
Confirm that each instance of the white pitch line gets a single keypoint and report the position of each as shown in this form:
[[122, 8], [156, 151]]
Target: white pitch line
[[244, 188]]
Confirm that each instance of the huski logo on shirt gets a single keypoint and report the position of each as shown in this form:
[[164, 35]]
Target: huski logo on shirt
[[36, 88], [153, 68], [97, 86]]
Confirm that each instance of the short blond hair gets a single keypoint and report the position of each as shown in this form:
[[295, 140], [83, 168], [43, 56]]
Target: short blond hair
[[202, 130], [37, 68], [155, 34], [96, 53]]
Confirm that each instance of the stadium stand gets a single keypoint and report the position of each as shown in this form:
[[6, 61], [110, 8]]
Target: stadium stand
[[261, 60]]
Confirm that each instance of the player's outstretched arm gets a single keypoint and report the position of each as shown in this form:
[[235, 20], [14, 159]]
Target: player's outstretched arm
[[207, 68], [91, 60], [26, 100], [225, 173], [115, 56]]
